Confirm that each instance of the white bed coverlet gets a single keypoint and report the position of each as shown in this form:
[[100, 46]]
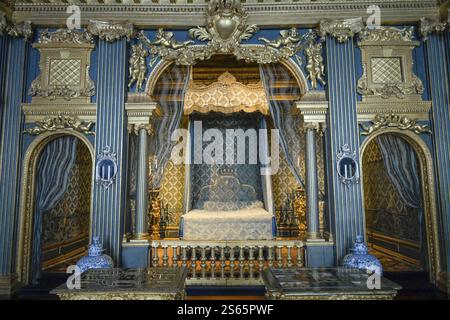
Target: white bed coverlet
[[242, 224]]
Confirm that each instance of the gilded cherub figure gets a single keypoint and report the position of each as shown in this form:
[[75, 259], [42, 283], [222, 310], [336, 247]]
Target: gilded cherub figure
[[165, 39], [288, 38], [138, 66], [315, 66]]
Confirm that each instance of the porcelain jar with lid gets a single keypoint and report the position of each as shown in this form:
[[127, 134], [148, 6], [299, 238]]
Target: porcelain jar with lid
[[95, 258], [360, 258]]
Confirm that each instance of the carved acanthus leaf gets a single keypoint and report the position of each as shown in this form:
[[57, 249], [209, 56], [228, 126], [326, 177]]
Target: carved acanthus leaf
[[22, 29], [428, 26], [385, 34], [342, 30], [384, 121], [109, 31], [3, 23], [59, 123], [65, 36]]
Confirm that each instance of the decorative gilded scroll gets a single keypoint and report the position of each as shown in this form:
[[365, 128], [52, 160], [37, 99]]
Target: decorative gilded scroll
[[61, 122], [227, 95], [383, 121]]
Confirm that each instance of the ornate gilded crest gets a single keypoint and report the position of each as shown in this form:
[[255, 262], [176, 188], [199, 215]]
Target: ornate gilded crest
[[226, 26]]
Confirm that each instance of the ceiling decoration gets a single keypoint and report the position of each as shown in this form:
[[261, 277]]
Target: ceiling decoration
[[226, 96], [226, 28]]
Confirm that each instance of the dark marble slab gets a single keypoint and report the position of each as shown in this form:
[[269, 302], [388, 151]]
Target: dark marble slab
[[125, 284], [324, 283]]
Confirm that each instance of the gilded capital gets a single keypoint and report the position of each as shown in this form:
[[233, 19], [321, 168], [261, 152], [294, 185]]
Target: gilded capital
[[342, 30], [22, 29], [110, 31], [135, 128], [428, 26], [2, 22]]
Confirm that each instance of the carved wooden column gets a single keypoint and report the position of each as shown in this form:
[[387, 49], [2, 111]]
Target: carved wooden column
[[434, 33], [313, 108], [109, 200], [13, 89], [344, 199], [135, 250]]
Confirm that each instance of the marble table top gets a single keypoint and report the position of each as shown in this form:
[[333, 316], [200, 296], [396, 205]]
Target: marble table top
[[151, 283], [325, 283]]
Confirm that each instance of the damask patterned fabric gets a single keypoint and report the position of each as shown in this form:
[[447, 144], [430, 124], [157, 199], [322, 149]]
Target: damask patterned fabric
[[243, 224], [282, 113], [55, 165], [169, 92], [205, 183]]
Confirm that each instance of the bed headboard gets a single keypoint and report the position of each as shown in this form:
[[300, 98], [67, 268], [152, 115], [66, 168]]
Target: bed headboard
[[226, 192]]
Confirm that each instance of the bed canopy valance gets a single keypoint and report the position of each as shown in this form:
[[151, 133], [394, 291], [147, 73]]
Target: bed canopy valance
[[227, 95]]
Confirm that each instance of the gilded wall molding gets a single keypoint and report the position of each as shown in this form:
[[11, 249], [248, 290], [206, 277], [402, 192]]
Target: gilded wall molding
[[342, 30], [388, 65], [34, 111], [110, 31], [64, 67], [414, 109], [431, 25], [392, 120], [61, 122]]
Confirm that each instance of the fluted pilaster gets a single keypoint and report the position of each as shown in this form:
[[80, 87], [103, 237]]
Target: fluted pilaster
[[438, 73], [12, 88], [109, 202], [345, 200]]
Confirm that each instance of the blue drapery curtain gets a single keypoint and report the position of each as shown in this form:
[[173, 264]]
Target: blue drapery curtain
[[287, 124], [401, 164], [53, 175], [169, 92]]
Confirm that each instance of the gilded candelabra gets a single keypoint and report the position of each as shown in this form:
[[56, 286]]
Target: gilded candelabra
[[155, 214], [300, 212]]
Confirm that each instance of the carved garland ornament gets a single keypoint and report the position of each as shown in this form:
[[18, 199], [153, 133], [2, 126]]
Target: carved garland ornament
[[384, 121], [110, 32], [22, 29], [59, 123], [226, 28]]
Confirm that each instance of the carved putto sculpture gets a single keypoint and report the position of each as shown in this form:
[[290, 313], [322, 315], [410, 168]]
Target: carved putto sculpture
[[165, 39], [138, 66], [383, 121], [61, 122], [288, 38], [315, 66]]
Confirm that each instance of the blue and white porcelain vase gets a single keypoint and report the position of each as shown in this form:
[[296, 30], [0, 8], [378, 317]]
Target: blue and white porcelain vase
[[95, 259], [360, 258]]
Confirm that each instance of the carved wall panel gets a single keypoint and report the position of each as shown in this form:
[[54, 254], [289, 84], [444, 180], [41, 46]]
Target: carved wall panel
[[64, 66], [388, 65]]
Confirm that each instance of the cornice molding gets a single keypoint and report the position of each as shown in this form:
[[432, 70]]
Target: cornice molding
[[341, 30], [35, 112], [414, 109], [300, 12], [110, 31], [431, 25]]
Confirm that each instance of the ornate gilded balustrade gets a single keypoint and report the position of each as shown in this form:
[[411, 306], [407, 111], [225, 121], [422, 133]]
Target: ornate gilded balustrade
[[222, 259]]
